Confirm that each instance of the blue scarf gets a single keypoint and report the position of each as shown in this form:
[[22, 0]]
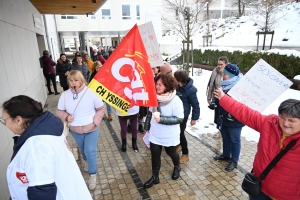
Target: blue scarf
[[229, 83]]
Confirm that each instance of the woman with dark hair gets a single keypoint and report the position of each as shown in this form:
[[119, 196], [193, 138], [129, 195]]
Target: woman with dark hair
[[83, 110], [276, 132], [188, 95], [164, 130], [42, 165], [82, 67], [49, 72], [214, 83], [63, 66], [77, 53]]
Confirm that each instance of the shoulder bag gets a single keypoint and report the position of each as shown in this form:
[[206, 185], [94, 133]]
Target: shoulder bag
[[66, 124], [251, 184]]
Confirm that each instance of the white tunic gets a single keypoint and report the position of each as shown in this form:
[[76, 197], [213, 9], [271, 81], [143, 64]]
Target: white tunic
[[45, 159], [167, 135]]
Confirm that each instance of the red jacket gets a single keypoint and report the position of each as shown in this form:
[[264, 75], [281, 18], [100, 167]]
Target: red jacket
[[283, 181]]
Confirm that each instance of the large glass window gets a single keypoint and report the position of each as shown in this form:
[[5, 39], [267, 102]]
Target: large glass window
[[106, 14], [126, 12], [69, 17], [138, 14]]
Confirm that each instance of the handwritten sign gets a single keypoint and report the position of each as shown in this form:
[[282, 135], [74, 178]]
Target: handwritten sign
[[151, 45], [260, 86]]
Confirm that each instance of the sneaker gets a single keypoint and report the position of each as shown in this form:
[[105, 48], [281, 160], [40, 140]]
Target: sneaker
[[92, 182], [84, 166], [109, 117], [50, 93], [56, 93]]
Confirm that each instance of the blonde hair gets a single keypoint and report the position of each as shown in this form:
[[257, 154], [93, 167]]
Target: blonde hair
[[96, 64], [76, 75]]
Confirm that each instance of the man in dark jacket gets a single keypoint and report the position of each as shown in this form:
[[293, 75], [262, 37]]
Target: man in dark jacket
[[49, 72]]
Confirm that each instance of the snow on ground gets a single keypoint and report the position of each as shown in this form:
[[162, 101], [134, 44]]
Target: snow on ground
[[206, 124]]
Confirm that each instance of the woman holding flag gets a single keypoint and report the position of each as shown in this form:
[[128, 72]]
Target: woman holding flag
[[165, 126], [83, 110]]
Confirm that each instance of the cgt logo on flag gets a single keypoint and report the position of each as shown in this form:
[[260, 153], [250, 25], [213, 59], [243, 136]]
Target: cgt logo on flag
[[126, 78]]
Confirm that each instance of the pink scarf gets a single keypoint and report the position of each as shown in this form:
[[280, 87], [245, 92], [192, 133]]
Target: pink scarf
[[166, 96]]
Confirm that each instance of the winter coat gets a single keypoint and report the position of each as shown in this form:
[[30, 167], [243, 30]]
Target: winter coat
[[61, 68], [83, 68], [48, 65], [188, 96], [214, 82], [283, 181]]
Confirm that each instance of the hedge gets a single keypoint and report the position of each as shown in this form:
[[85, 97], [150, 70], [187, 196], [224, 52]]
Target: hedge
[[289, 66]]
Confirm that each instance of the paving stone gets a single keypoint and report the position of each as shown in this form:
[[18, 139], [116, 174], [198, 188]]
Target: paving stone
[[202, 177]]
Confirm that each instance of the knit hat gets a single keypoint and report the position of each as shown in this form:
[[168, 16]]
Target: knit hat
[[166, 68], [231, 70]]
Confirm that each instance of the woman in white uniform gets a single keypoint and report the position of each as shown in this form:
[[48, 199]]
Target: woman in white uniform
[[42, 164], [165, 126]]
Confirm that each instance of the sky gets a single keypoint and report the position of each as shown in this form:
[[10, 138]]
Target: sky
[[242, 33]]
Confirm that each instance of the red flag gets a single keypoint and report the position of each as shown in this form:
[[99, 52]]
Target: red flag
[[126, 78]]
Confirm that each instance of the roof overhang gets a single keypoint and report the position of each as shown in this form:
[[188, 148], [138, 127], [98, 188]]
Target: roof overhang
[[67, 6]]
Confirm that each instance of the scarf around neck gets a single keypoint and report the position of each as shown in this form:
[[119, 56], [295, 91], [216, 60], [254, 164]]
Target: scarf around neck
[[229, 83], [166, 97]]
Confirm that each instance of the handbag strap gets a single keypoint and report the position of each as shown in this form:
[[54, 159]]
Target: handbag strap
[[80, 100], [276, 159]]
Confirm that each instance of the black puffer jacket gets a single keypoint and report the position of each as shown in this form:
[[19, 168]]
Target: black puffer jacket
[[61, 68]]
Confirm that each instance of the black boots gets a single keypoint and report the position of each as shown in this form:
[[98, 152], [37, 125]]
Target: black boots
[[134, 146], [176, 173], [221, 157], [153, 180], [231, 166], [123, 148]]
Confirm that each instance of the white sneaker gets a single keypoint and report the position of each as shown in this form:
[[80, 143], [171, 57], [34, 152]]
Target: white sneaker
[[92, 182], [84, 166]]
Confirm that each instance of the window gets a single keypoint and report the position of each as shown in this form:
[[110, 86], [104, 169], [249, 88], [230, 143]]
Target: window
[[138, 14], [93, 16], [69, 17], [126, 12], [106, 14]]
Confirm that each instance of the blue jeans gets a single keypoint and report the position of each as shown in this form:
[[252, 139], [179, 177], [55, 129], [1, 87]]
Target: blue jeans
[[262, 196], [231, 142], [87, 144], [109, 109]]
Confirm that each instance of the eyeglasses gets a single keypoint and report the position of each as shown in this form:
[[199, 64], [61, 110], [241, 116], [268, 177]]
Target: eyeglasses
[[3, 120]]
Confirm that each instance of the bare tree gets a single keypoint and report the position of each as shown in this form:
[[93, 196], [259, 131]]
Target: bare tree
[[268, 13], [184, 16]]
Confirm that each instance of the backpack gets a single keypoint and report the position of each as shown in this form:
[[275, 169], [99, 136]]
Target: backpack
[[41, 62]]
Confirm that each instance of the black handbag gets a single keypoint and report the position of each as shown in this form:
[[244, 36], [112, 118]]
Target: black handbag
[[251, 184]]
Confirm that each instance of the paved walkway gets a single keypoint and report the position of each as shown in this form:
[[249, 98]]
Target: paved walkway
[[121, 175]]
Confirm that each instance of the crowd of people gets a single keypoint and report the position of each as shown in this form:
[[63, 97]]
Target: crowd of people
[[177, 100]]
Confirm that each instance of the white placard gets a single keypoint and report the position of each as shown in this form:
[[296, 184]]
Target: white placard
[[151, 45], [260, 86]]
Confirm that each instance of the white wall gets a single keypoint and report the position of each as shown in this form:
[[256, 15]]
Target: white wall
[[84, 23], [20, 70], [52, 36]]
